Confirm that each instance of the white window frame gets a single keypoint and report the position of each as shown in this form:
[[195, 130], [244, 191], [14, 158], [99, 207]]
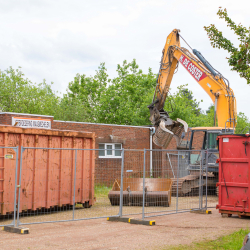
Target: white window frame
[[113, 150]]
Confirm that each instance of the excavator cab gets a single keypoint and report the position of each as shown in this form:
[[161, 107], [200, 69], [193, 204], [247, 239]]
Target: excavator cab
[[204, 138]]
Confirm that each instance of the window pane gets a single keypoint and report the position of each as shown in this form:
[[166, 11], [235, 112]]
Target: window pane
[[118, 152], [194, 159], [212, 143], [109, 152], [101, 152]]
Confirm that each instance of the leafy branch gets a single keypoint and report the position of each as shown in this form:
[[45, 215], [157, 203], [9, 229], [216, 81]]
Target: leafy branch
[[239, 57]]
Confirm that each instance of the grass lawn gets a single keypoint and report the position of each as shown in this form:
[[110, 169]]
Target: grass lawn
[[101, 191], [233, 241]]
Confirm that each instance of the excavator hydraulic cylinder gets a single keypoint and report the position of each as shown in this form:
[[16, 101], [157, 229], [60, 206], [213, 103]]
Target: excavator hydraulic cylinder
[[205, 62]]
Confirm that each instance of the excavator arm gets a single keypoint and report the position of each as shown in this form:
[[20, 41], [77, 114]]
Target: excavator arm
[[214, 84]]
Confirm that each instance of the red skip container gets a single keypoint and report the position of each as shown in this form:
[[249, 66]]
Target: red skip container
[[47, 178], [234, 174]]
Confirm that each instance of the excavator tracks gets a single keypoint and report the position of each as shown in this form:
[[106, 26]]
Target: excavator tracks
[[189, 185], [185, 185]]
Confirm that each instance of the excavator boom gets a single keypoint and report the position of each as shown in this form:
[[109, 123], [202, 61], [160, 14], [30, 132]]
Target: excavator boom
[[214, 84]]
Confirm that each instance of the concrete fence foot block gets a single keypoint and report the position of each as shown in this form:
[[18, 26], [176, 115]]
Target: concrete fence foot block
[[142, 222], [121, 219], [200, 211], [18, 230]]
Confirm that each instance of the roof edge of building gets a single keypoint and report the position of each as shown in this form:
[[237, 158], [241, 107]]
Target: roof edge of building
[[104, 124], [13, 113]]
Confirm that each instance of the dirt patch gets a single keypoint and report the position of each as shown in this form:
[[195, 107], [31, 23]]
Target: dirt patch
[[183, 228]]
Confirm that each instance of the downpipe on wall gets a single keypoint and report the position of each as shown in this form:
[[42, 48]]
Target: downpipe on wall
[[152, 131]]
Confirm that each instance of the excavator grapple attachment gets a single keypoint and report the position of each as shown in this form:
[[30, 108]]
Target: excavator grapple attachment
[[165, 133]]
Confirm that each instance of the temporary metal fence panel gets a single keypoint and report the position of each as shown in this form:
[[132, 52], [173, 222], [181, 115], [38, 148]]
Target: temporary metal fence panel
[[193, 187], [164, 182], [8, 183], [63, 184], [132, 182], [182, 158]]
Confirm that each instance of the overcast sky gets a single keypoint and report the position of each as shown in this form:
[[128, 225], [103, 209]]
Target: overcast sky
[[55, 40]]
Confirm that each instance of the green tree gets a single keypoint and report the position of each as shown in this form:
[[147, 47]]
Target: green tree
[[210, 116], [189, 94], [18, 94], [243, 124], [72, 109], [82, 101], [122, 100], [126, 99], [239, 57], [182, 105]]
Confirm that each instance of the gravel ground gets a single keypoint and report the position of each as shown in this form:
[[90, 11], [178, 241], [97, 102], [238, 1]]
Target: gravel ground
[[183, 228], [103, 208]]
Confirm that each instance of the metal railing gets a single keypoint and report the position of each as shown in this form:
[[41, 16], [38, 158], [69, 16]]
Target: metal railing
[[8, 185], [67, 184], [180, 181]]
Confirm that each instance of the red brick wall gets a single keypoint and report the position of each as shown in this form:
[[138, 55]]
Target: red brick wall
[[198, 140], [131, 138], [106, 170]]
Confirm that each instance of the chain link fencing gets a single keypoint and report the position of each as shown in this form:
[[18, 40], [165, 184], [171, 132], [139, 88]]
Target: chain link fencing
[[183, 182], [161, 182], [62, 184]]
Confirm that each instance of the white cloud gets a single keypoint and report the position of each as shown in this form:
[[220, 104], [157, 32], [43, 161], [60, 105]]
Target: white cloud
[[57, 39]]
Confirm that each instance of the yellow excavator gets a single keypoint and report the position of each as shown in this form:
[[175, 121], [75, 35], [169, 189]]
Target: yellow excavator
[[214, 84]]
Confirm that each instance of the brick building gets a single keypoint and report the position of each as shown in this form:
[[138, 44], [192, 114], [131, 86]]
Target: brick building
[[135, 137], [111, 137], [107, 136]]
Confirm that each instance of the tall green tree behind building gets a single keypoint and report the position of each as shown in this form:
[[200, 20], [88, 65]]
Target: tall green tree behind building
[[99, 99], [18, 94]]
